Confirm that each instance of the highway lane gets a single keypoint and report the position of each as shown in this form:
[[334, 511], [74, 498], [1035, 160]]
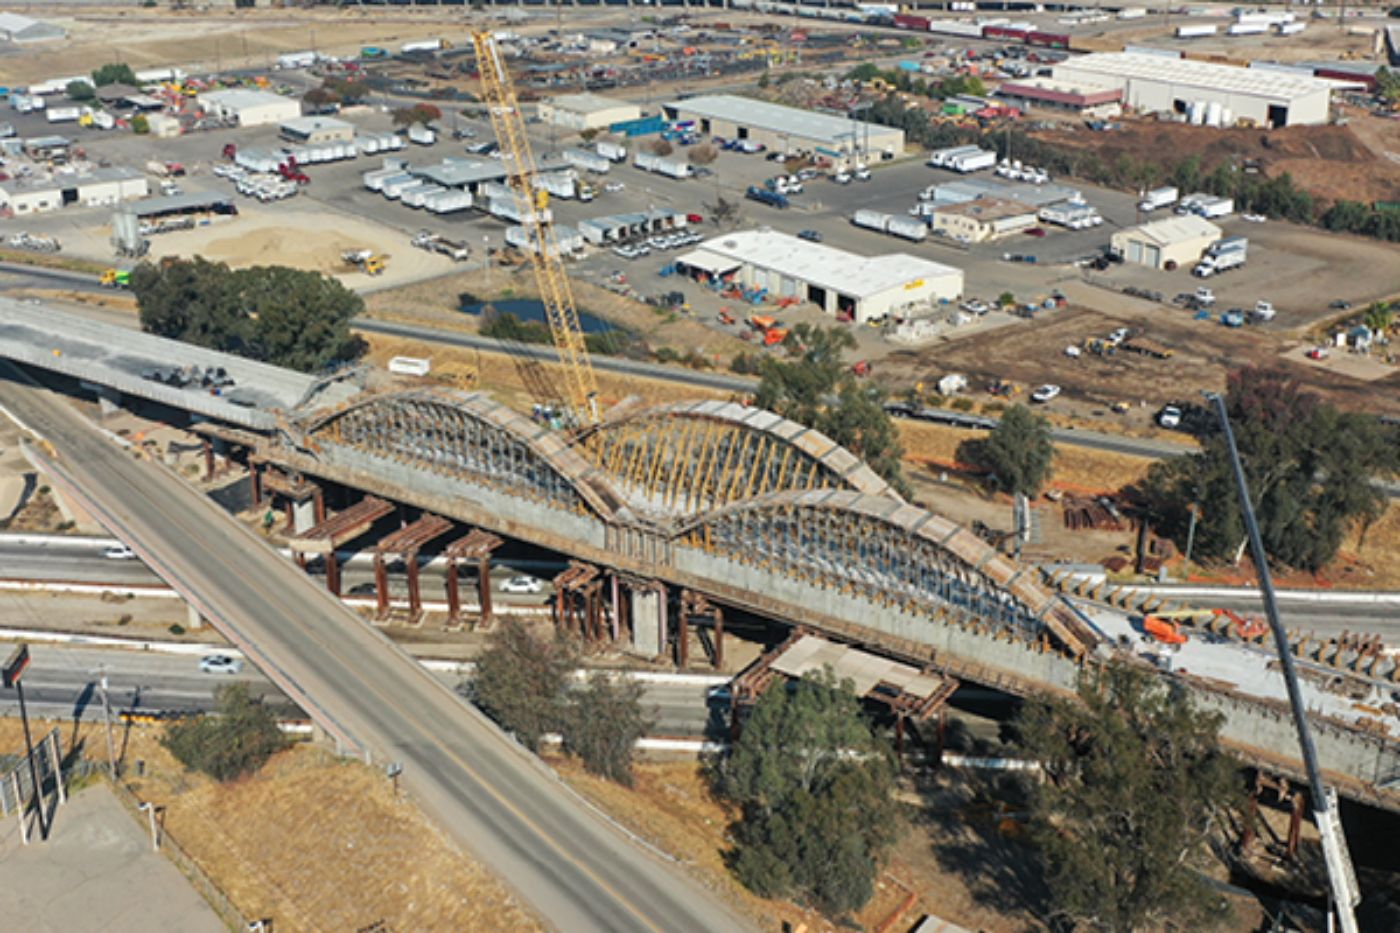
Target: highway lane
[[62, 682], [57, 561], [578, 871]]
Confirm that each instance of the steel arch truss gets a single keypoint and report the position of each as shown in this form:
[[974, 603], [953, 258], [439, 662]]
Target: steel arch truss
[[884, 552], [688, 459], [471, 437]]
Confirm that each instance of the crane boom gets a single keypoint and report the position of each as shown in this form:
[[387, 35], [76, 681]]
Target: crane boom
[[533, 204]]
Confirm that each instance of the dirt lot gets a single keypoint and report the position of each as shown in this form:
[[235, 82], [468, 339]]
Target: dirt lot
[[330, 848], [1203, 352], [1330, 161]]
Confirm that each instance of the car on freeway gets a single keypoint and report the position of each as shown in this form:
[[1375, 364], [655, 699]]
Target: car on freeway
[[811, 236], [1045, 393], [220, 664], [522, 584], [119, 552], [1169, 417]]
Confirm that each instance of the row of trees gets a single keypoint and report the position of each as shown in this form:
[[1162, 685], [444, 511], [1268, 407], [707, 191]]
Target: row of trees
[[287, 317], [1311, 472], [912, 83], [335, 91], [115, 73], [1253, 193]]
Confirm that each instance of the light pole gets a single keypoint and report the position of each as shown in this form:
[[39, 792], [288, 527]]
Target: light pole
[[150, 811], [14, 670], [107, 719]]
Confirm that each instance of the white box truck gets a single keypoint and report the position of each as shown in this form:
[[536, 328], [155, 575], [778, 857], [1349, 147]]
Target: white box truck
[[1222, 256], [421, 135], [872, 220], [907, 228], [588, 161], [1158, 198], [974, 161], [939, 158], [613, 152]]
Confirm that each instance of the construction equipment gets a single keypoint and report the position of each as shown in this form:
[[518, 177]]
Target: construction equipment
[[455, 250], [1217, 620], [364, 260], [116, 278], [1166, 631], [547, 262]]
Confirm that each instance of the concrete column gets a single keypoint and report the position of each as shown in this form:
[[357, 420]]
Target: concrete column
[[415, 601], [193, 619], [109, 401], [648, 622], [454, 597], [304, 515], [381, 584], [483, 589]]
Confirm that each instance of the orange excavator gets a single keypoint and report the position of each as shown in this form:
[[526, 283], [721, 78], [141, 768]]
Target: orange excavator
[[1166, 626]]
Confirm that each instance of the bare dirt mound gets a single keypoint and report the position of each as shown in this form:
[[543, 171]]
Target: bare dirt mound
[[1329, 161]]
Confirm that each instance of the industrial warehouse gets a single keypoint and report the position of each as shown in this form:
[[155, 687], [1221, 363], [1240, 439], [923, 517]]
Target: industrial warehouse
[[100, 187], [787, 129], [858, 288], [587, 111], [1217, 95], [1166, 244], [250, 108]]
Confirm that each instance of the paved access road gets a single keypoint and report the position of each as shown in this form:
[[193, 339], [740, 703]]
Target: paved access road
[[578, 872]]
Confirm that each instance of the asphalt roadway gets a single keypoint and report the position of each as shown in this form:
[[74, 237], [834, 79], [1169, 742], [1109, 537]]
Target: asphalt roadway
[[578, 871], [61, 682]]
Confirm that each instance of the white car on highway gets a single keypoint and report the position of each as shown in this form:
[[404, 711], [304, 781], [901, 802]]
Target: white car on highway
[[1170, 417], [119, 552], [1045, 393], [522, 584], [220, 664]]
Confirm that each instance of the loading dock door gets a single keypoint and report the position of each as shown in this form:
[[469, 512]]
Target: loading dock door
[[817, 296], [1153, 256], [1134, 251]]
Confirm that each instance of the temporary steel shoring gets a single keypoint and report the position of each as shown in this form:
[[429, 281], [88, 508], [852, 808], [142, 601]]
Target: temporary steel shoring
[[533, 206]]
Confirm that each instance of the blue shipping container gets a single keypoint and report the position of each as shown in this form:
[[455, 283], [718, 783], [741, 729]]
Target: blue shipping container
[[642, 127]]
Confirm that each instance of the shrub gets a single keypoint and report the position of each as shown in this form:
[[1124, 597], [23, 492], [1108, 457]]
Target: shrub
[[237, 740]]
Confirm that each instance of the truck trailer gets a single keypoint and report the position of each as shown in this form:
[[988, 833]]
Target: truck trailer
[[974, 161], [1158, 198]]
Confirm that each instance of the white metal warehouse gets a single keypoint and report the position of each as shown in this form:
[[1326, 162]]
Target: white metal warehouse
[[863, 288], [250, 108], [787, 129], [1157, 83]]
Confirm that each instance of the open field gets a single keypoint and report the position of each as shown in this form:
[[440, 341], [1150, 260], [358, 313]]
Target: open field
[[313, 842]]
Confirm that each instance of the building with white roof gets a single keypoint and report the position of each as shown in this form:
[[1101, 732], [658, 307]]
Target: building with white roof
[[20, 29], [587, 111], [316, 131], [1166, 244], [787, 129], [860, 288], [1158, 83], [251, 108], [98, 188]]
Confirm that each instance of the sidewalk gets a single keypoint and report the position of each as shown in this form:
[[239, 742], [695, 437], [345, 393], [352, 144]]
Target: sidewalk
[[96, 872]]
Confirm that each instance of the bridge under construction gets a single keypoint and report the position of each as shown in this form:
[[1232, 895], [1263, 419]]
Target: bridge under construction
[[672, 515]]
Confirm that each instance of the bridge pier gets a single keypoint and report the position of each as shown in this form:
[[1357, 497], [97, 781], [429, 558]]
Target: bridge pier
[[406, 543], [578, 603], [639, 614], [478, 545], [698, 613]]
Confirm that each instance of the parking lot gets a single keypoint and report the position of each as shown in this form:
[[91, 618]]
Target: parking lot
[[1302, 271]]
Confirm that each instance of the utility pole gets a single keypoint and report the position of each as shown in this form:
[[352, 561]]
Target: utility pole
[[107, 719], [1345, 893]]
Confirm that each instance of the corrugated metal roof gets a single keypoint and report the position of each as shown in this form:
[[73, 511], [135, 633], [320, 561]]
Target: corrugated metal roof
[[1190, 73], [1176, 229], [825, 266], [776, 118]]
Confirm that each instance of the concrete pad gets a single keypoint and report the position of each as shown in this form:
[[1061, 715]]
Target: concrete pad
[[96, 872]]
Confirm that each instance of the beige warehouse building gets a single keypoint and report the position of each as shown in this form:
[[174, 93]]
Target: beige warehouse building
[[315, 131], [788, 129], [1166, 244], [587, 111], [250, 108], [100, 188], [862, 288], [983, 219]]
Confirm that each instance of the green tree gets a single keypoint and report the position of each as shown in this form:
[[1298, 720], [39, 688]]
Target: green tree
[[80, 91], [815, 788], [602, 724], [520, 681], [321, 97], [814, 386], [114, 73], [348, 91], [1379, 317], [1136, 789], [1018, 452], [1387, 84], [1310, 468], [301, 319], [865, 71], [236, 740], [140, 125], [287, 317]]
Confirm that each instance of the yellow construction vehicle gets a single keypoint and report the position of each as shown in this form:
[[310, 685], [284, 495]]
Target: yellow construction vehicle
[[116, 278], [365, 260], [556, 295]]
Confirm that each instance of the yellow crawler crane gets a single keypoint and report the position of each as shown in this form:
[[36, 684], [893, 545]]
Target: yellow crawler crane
[[533, 204]]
